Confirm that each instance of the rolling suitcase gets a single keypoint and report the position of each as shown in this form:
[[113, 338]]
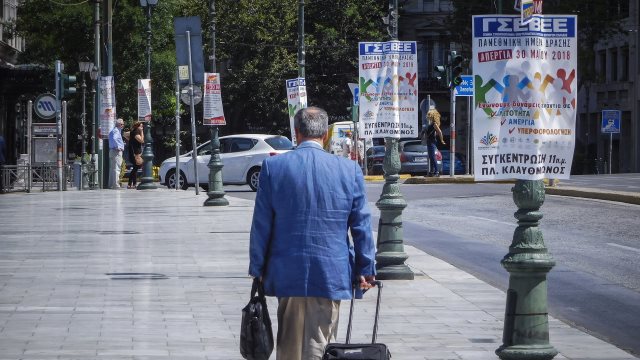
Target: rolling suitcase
[[347, 351]]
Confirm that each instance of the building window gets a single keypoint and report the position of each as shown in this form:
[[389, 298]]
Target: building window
[[602, 68], [613, 66], [624, 64]]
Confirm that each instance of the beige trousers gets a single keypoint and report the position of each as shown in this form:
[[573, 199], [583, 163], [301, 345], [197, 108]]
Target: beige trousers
[[305, 326]]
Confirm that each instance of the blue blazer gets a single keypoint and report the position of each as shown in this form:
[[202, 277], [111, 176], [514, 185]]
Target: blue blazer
[[306, 203]]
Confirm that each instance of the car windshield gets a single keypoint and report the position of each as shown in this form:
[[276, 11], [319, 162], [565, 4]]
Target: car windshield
[[414, 147], [279, 143]]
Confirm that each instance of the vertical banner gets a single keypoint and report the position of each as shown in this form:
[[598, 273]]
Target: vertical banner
[[107, 104], [144, 100], [388, 73], [212, 102], [297, 99], [525, 96]]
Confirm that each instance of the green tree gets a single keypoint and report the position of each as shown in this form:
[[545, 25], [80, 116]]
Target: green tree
[[256, 49]]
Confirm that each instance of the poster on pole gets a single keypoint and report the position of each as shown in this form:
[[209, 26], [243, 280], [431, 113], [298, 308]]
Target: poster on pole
[[212, 104], [388, 73], [297, 99], [525, 96], [107, 102], [144, 100]]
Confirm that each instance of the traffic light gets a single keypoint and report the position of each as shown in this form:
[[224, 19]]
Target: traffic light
[[442, 74], [455, 63], [67, 84]]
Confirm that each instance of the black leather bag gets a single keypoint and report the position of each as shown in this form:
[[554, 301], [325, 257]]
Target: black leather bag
[[256, 336], [347, 351]]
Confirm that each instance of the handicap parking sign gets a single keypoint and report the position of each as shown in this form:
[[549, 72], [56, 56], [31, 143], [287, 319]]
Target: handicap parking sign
[[611, 121]]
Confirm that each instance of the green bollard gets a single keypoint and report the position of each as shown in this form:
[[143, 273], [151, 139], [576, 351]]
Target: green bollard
[[390, 257], [526, 322], [215, 192]]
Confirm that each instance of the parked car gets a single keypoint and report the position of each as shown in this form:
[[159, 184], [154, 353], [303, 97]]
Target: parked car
[[414, 158], [459, 166], [375, 157], [241, 156]]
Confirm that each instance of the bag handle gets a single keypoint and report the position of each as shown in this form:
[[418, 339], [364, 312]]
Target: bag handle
[[257, 286], [378, 284]]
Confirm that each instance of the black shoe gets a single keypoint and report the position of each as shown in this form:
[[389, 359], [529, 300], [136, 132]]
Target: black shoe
[[436, 175]]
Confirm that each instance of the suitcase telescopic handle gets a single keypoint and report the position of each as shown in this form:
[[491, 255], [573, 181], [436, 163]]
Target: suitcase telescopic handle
[[378, 284]]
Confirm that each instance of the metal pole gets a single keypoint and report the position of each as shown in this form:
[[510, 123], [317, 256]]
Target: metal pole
[[146, 183], [469, 137], [96, 147], [64, 145], [83, 152], [452, 152], [390, 256], [59, 91], [301, 51], [177, 173], [109, 72], [194, 154], [215, 192], [29, 149], [610, 150]]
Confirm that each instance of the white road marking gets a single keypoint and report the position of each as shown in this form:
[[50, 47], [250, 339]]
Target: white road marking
[[624, 247], [491, 220]]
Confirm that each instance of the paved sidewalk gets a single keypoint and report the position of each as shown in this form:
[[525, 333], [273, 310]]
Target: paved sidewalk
[[155, 275]]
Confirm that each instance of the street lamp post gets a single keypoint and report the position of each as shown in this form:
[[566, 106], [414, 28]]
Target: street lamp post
[[147, 168], [390, 257], [85, 67], [94, 76], [215, 192]]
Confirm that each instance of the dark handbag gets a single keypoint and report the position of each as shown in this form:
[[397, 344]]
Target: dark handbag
[[347, 351], [256, 336]]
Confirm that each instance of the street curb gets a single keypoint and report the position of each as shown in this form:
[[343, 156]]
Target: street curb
[[618, 196]]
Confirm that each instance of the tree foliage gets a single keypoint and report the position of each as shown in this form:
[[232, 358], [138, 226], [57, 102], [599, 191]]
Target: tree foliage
[[256, 51]]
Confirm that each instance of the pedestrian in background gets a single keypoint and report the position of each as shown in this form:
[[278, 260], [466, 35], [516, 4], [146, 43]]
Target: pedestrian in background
[[116, 147], [347, 144], [430, 137], [307, 201], [136, 139]]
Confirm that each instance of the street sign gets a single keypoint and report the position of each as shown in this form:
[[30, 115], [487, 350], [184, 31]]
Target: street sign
[[45, 106], [191, 24], [355, 92], [466, 87], [611, 121], [186, 98]]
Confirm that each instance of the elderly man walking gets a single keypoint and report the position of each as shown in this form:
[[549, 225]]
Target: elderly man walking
[[307, 201], [116, 147]]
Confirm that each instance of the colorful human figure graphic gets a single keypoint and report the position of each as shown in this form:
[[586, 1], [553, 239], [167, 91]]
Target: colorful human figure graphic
[[481, 91], [538, 88]]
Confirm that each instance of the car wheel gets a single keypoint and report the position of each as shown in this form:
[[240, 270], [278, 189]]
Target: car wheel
[[171, 180], [253, 178]]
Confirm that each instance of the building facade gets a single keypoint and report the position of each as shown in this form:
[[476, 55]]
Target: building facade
[[617, 84]]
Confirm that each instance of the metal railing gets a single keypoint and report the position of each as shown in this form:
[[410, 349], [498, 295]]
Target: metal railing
[[16, 178]]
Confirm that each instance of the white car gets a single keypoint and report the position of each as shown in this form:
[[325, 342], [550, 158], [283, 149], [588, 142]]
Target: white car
[[241, 156]]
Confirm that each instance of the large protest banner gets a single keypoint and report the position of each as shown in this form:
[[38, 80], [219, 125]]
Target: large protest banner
[[388, 87], [213, 114], [296, 99], [525, 96]]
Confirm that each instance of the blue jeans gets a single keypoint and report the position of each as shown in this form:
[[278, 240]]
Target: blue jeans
[[433, 165]]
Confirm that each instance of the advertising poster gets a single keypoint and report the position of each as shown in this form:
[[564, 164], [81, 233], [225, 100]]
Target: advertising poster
[[525, 93], [107, 101], [388, 73], [297, 99], [212, 103], [144, 100]]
